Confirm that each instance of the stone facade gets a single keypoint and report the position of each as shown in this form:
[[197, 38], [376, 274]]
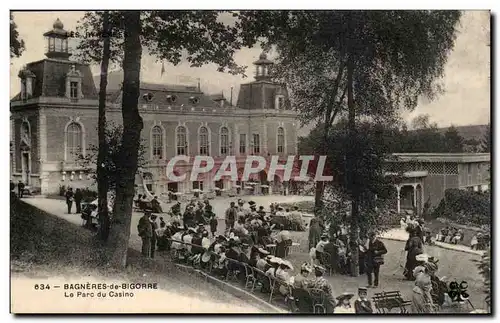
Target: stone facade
[[54, 118]]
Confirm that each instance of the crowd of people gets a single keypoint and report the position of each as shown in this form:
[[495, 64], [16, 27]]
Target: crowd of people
[[251, 239], [429, 291], [447, 234]]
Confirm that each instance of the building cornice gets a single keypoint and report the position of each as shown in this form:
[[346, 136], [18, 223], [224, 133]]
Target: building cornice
[[441, 157]]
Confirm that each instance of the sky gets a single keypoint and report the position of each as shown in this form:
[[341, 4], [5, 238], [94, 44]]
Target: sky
[[466, 99]]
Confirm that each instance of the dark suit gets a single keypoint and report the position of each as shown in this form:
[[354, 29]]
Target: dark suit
[[374, 258], [145, 230]]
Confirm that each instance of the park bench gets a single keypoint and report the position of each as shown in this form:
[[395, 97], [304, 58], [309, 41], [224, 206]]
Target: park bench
[[385, 302]]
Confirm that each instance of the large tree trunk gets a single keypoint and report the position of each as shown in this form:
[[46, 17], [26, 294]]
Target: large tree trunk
[[132, 127], [320, 186], [102, 176], [351, 162]]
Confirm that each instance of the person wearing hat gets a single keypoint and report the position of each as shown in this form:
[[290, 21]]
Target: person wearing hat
[[176, 208], [244, 255], [362, 305], [314, 232], [230, 216], [259, 261], [261, 212], [188, 217], [280, 212], [301, 280], [421, 301], [344, 304], [283, 239], [296, 219], [145, 230], [275, 263], [154, 236], [321, 283], [414, 247], [283, 273], [199, 214], [218, 243], [188, 239], [176, 239], [374, 258]]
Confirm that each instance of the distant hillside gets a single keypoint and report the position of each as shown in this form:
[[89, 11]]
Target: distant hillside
[[470, 132]]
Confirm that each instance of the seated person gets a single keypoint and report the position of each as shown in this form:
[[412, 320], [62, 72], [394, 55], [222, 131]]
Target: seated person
[[155, 205]]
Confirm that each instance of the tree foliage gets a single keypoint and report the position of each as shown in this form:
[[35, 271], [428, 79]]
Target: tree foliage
[[197, 36], [486, 144], [465, 207], [113, 136], [425, 137], [16, 43], [392, 58], [454, 143], [484, 267]]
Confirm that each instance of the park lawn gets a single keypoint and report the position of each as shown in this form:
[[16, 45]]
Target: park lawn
[[44, 246]]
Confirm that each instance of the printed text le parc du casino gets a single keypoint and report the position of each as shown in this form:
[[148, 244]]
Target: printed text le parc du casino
[[296, 168]]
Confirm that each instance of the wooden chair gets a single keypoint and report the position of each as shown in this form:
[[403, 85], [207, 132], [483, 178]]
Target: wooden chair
[[250, 279], [318, 297], [385, 302], [233, 267], [263, 279]]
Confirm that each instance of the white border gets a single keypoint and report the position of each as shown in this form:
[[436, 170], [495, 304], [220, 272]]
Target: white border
[[184, 4]]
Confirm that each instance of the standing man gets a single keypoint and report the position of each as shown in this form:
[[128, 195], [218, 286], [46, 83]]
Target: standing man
[[374, 258], [78, 200], [145, 230], [20, 189], [154, 234], [230, 216], [69, 199]]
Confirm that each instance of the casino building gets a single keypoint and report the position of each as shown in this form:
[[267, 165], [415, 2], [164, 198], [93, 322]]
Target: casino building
[[54, 118]]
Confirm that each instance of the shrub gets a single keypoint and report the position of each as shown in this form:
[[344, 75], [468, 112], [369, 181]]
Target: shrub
[[484, 266], [88, 195], [465, 207]]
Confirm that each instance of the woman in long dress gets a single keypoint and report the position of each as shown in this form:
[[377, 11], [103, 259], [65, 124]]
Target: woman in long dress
[[314, 232], [414, 247]]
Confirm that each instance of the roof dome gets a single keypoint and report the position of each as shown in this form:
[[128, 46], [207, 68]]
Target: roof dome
[[263, 55], [58, 24]]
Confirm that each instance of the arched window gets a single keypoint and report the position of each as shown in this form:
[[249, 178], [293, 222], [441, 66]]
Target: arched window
[[73, 141], [157, 142], [181, 140], [224, 140], [203, 141], [281, 140]]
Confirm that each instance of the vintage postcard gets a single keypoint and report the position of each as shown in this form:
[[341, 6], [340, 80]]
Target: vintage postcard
[[325, 162]]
